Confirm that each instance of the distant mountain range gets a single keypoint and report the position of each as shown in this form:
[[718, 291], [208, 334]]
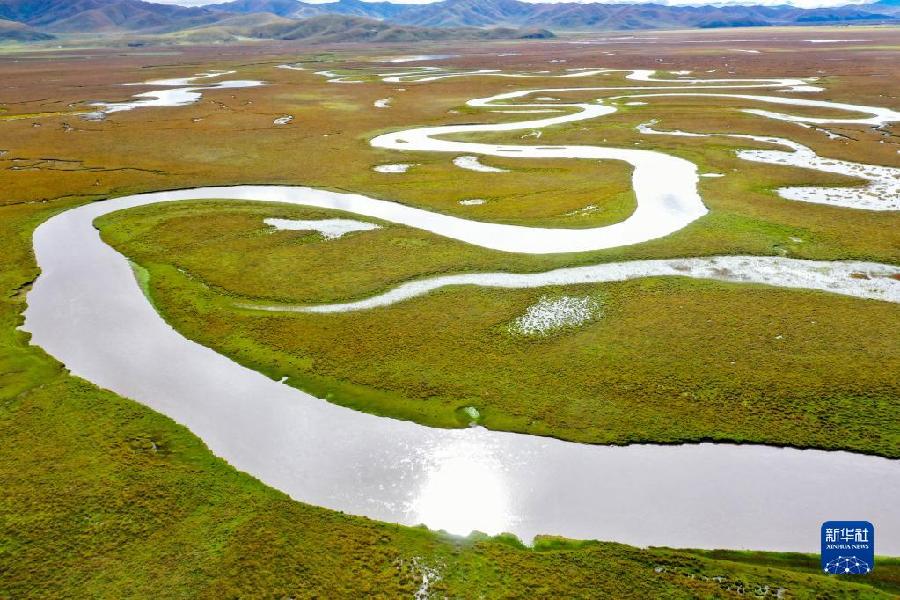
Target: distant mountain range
[[342, 28], [354, 20], [96, 16], [568, 16]]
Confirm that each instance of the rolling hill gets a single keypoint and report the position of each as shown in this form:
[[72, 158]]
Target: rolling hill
[[19, 32], [345, 28], [93, 16], [299, 10]]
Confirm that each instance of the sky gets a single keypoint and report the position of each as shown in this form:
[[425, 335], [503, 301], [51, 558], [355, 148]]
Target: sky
[[798, 3]]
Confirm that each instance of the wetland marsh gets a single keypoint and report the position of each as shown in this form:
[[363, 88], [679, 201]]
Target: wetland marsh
[[759, 350]]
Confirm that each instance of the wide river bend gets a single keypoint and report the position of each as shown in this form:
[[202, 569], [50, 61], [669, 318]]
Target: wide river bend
[[87, 310]]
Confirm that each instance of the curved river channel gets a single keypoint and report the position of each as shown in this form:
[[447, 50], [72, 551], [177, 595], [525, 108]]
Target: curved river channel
[[87, 310]]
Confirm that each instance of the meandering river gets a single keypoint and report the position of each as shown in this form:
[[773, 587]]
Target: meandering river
[[87, 310]]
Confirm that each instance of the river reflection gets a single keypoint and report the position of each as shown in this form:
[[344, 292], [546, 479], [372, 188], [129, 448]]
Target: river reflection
[[465, 489]]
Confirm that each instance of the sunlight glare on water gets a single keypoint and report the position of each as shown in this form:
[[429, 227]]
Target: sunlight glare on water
[[465, 490]]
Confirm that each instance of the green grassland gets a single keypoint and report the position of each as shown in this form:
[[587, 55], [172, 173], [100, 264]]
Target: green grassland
[[670, 360], [711, 361], [103, 498]]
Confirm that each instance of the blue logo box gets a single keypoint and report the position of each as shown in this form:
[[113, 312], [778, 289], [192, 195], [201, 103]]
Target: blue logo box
[[848, 547]]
